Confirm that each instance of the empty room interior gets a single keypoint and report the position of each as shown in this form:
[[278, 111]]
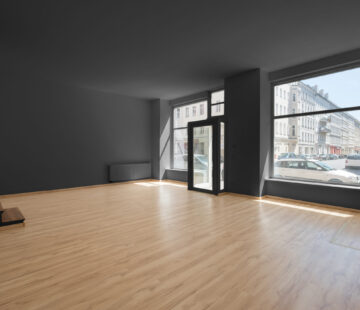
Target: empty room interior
[[180, 155]]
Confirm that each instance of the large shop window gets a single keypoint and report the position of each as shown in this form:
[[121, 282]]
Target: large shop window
[[181, 117], [186, 113], [317, 129]]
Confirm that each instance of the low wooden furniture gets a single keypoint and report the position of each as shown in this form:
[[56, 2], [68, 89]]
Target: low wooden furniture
[[10, 216]]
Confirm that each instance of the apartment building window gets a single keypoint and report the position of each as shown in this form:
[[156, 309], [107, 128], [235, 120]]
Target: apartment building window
[[217, 103], [329, 137], [200, 110]]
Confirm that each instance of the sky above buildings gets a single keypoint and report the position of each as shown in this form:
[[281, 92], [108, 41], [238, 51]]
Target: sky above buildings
[[343, 88]]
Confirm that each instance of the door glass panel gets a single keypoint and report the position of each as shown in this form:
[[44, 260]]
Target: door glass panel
[[203, 161], [222, 155]]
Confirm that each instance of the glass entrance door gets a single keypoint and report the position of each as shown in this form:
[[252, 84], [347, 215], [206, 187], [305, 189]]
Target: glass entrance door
[[206, 156]]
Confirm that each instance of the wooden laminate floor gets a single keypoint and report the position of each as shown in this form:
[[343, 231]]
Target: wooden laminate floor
[[152, 245]]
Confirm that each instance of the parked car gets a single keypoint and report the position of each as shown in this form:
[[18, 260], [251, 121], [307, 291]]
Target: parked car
[[353, 161], [201, 162], [333, 156], [287, 155], [323, 157], [312, 170], [308, 156], [328, 156]]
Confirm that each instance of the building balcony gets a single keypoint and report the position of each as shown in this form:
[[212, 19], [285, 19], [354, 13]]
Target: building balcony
[[324, 129]]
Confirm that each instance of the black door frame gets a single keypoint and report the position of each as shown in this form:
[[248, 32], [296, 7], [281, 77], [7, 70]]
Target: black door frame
[[215, 122]]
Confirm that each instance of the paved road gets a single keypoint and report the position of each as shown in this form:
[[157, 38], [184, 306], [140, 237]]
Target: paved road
[[340, 164]]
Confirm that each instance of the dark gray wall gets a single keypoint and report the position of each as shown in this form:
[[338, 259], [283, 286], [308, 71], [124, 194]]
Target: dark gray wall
[[56, 136], [248, 132], [242, 97]]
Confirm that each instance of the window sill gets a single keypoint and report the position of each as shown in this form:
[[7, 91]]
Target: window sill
[[346, 186], [177, 174]]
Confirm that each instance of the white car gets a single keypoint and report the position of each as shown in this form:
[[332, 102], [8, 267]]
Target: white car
[[353, 161], [313, 170]]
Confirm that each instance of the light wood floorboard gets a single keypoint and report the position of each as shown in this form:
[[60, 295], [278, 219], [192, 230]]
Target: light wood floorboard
[[156, 245]]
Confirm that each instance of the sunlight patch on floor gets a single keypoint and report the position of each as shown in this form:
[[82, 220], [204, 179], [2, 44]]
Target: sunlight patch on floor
[[147, 184], [159, 183], [309, 209]]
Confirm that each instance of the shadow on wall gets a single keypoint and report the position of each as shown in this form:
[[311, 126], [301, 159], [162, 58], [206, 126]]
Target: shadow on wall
[[264, 174], [165, 149]]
